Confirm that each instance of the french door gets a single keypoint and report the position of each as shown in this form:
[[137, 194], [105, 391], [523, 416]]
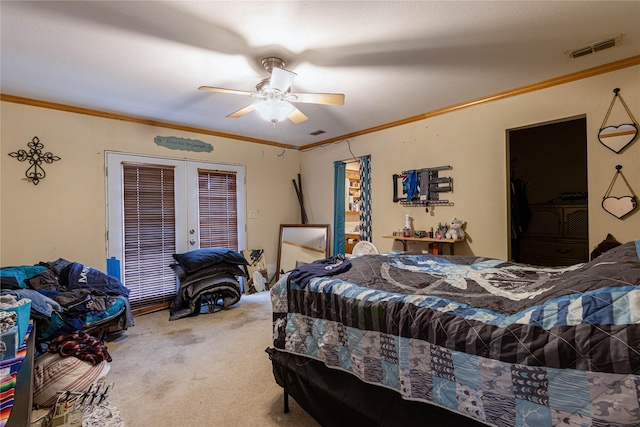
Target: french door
[[157, 207]]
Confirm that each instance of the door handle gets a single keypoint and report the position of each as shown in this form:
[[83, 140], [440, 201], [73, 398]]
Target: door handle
[[192, 242]]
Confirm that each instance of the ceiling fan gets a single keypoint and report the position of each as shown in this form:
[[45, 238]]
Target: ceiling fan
[[275, 97]]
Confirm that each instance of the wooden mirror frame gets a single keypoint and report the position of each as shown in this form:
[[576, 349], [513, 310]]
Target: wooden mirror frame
[[312, 247]]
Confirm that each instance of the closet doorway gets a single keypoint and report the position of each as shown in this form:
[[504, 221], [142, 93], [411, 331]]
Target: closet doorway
[[547, 165], [352, 207], [352, 204]]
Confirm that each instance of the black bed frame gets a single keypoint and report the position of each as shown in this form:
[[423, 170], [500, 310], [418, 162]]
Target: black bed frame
[[337, 398]]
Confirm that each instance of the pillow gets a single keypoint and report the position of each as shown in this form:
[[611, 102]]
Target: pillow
[[53, 373], [199, 258], [608, 243], [212, 270], [22, 273]]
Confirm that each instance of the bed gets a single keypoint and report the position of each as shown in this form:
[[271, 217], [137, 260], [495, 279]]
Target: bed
[[401, 338]]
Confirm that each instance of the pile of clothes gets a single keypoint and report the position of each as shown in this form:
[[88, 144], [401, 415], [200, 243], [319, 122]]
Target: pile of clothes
[[208, 275], [81, 345], [66, 296], [67, 300], [72, 363]]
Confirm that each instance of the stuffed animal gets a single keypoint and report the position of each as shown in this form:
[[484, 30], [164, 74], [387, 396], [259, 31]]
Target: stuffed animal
[[455, 231]]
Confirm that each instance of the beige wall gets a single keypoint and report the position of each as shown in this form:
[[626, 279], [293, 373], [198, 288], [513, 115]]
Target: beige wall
[[65, 214], [473, 142]]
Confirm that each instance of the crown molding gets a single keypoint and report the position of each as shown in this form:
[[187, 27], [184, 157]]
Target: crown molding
[[591, 72], [132, 119], [602, 69]]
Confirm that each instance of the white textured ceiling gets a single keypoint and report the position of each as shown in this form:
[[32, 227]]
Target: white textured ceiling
[[392, 60]]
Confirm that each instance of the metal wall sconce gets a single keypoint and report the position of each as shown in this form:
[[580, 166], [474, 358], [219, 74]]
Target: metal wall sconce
[[35, 157]]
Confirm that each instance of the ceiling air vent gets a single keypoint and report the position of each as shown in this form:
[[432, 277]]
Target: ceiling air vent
[[317, 132], [581, 52], [594, 47], [604, 45]]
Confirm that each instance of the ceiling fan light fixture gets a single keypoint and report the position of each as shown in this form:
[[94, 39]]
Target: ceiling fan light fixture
[[281, 79], [273, 110], [275, 97]]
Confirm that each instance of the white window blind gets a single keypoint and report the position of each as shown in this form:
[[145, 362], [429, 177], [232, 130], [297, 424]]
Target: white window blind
[[218, 209], [149, 234]]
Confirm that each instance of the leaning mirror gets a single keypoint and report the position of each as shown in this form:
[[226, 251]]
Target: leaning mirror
[[301, 243]]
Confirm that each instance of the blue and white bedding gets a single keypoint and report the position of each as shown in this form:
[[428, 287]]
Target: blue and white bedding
[[502, 343]]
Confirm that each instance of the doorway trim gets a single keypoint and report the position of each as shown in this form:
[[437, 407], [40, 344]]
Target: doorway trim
[[184, 184], [364, 216]]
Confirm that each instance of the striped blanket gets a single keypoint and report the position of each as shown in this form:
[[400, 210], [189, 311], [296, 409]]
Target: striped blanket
[[503, 343], [8, 377]]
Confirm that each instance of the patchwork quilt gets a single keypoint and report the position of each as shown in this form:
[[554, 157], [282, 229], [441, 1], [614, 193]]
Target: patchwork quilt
[[503, 343]]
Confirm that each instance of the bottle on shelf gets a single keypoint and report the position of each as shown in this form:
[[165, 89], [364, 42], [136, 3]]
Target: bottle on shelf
[[406, 231]]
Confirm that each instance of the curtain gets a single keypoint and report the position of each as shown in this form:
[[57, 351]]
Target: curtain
[[364, 164], [339, 170]]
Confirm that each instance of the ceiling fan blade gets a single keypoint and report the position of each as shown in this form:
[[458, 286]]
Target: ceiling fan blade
[[297, 116], [320, 98], [222, 90], [241, 112], [281, 79]]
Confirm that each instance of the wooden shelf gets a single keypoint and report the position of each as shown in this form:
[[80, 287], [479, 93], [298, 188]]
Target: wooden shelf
[[353, 190], [405, 240]]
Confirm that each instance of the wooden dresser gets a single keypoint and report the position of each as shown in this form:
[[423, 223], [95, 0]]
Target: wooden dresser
[[557, 235]]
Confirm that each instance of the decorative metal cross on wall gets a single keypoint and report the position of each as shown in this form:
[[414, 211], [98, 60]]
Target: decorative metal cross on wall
[[35, 157]]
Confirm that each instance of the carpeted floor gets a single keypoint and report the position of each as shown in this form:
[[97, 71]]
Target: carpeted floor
[[206, 370]]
